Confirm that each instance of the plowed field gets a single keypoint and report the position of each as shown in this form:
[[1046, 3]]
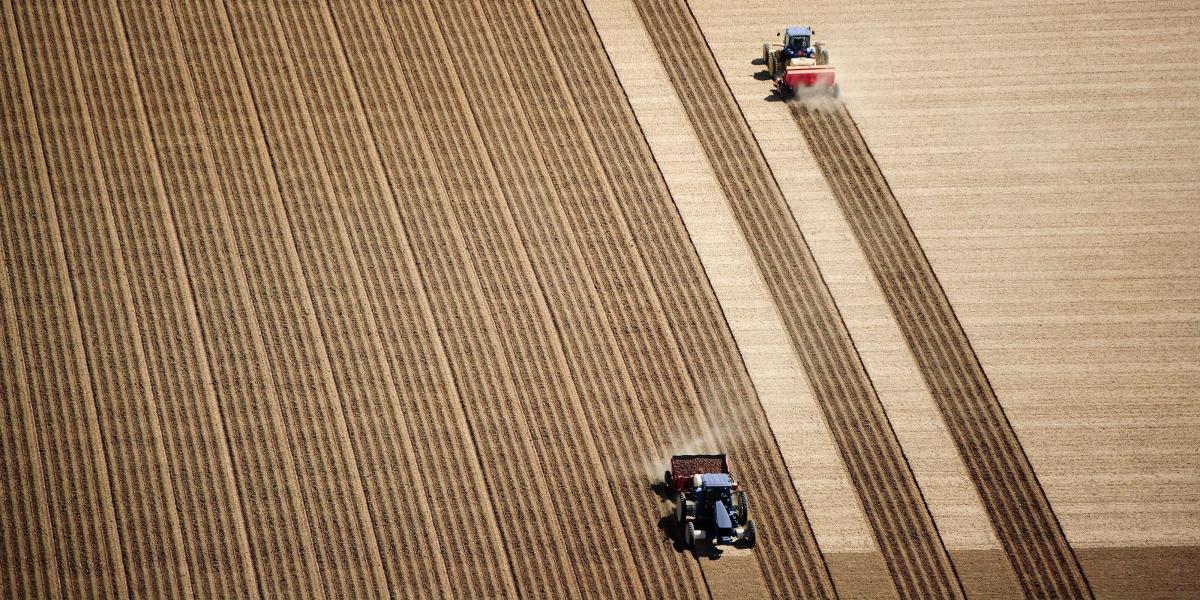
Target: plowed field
[[381, 299]]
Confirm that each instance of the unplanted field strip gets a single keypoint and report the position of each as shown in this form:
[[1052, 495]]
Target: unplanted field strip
[[901, 522], [678, 288], [1043, 560]]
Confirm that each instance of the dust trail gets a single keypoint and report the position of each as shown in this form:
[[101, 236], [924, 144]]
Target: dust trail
[[713, 439], [815, 100]]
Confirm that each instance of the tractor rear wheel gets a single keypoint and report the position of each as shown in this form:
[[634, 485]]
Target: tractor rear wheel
[[766, 59], [772, 63], [680, 508], [822, 57], [743, 506], [668, 479], [750, 534]]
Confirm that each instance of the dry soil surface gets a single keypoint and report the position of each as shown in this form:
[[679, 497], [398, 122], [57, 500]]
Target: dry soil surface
[[376, 299]]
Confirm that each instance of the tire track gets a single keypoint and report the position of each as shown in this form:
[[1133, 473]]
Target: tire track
[[83, 533], [437, 426], [152, 544], [411, 125], [679, 289], [617, 380], [212, 527], [280, 541], [891, 499], [525, 276], [1024, 522]]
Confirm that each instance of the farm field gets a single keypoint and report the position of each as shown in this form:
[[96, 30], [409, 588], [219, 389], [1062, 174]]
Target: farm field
[[376, 299]]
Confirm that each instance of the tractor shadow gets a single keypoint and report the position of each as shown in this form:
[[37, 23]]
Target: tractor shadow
[[662, 490], [765, 76], [667, 523]]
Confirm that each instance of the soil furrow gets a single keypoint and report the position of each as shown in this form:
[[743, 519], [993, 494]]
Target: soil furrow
[[210, 523], [400, 122], [311, 401], [891, 499], [404, 160], [437, 431], [82, 516], [316, 216], [218, 547], [903, 525], [29, 563], [692, 314], [620, 379], [278, 531], [112, 341], [534, 267], [1041, 556]]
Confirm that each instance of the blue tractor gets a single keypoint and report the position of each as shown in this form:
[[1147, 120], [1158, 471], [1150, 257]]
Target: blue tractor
[[799, 64], [709, 507]]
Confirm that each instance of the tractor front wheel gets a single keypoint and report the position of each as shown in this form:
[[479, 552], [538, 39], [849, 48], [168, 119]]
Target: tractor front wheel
[[750, 534], [689, 535], [743, 506]]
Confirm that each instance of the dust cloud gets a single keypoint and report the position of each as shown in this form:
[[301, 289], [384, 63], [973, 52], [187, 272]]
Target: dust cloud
[[714, 439], [817, 100]]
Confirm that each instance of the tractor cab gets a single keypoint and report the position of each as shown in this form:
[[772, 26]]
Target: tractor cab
[[797, 41], [714, 496]]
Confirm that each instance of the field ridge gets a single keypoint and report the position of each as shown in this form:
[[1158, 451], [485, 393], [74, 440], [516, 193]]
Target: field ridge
[[82, 524], [394, 291]]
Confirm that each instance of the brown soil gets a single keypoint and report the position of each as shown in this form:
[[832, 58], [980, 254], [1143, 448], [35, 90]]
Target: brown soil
[[392, 300], [1025, 525], [892, 501]]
